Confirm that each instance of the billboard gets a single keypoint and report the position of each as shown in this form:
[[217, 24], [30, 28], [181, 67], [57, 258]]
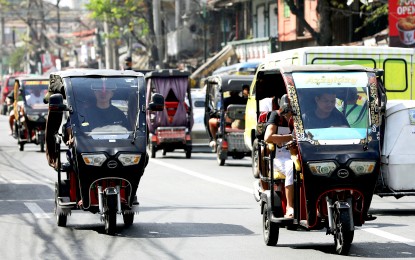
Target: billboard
[[402, 23]]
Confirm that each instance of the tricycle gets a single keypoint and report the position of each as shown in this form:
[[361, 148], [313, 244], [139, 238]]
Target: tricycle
[[100, 116], [226, 97], [335, 162], [29, 110], [171, 128]]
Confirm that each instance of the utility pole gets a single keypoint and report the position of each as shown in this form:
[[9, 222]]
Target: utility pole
[[157, 30], [107, 45], [58, 37], [2, 43]]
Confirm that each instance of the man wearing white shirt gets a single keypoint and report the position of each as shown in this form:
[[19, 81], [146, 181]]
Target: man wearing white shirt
[[35, 97]]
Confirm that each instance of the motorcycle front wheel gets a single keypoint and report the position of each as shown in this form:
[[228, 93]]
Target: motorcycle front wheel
[[343, 238], [110, 216]]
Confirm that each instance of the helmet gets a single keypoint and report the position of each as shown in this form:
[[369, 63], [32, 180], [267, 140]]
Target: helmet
[[284, 105]]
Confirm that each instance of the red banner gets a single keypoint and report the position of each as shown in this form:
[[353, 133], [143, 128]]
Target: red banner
[[402, 23]]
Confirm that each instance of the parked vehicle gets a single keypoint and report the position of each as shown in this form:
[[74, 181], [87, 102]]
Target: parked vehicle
[[243, 68], [100, 115], [30, 112], [335, 168], [200, 137], [171, 128], [398, 153], [228, 138]]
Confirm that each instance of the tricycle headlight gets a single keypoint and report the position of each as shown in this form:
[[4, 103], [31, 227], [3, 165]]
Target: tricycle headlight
[[33, 117], [129, 159], [322, 168], [362, 167], [94, 159]]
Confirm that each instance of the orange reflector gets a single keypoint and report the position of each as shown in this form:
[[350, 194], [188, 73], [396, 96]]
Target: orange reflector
[[225, 145]]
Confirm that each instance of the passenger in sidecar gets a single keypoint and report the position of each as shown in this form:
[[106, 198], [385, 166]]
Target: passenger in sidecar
[[277, 134]]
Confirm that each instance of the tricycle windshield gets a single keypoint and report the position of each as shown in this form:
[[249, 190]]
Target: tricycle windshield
[[333, 106], [106, 107], [34, 92]]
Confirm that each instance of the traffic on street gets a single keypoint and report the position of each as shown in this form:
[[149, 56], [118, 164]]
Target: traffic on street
[[187, 209]]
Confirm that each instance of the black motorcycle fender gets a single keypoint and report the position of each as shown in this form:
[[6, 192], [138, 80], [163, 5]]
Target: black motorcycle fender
[[344, 208], [277, 207]]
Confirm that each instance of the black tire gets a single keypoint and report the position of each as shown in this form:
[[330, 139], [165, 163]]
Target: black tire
[[110, 217], [42, 146], [15, 130], [220, 161], [164, 152], [188, 154], [152, 150], [270, 230], [21, 146], [255, 158], [128, 219], [61, 218], [342, 238]]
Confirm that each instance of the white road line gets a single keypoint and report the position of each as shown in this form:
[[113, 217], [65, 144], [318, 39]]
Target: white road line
[[389, 236], [374, 231], [203, 177], [40, 200], [36, 210]]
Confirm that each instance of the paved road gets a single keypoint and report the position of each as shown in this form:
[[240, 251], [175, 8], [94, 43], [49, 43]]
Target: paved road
[[189, 209]]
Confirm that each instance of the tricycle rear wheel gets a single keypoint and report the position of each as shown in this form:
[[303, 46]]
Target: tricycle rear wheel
[[255, 159], [220, 161], [61, 218], [152, 150], [270, 230], [128, 219], [188, 154]]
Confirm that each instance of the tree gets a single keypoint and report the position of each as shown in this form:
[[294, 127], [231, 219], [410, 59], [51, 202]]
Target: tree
[[372, 12], [17, 58], [126, 18]]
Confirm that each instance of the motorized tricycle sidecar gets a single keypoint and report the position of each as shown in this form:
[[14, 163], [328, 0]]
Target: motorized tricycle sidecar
[[30, 112], [398, 156], [100, 115], [225, 104], [171, 128], [336, 163]]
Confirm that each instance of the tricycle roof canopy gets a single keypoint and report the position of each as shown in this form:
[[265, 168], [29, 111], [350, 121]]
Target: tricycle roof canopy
[[230, 82], [95, 72], [167, 73]]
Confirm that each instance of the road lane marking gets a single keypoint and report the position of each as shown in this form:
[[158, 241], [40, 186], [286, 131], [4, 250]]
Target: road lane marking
[[390, 236], [374, 231], [203, 177], [36, 210], [40, 200]]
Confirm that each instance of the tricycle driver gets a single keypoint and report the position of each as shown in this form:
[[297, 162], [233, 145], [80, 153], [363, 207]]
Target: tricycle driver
[[104, 113]]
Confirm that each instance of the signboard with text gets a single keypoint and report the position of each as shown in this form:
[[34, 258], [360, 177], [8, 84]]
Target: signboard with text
[[402, 23]]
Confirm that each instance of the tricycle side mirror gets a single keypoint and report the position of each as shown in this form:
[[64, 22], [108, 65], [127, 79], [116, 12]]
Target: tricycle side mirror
[[156, 102], [56, 103]]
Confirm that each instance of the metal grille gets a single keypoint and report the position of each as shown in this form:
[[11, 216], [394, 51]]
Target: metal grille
[[236, 142]]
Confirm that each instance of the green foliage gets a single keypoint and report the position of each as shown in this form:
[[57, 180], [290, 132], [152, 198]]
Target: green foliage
[[16, 59], [374, 13], [124, 16]]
